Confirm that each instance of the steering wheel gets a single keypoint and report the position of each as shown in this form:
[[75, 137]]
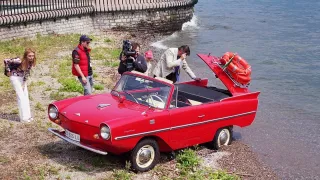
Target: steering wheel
[[153, 97]]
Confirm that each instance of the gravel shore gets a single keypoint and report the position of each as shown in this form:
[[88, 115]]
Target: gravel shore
[[26, 146]]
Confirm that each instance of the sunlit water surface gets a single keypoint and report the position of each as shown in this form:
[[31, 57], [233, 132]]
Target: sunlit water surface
[[280, 39]]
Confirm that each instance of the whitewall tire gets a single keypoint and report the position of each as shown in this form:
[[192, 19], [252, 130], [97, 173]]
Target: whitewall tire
[[145, 155], [223, 137]]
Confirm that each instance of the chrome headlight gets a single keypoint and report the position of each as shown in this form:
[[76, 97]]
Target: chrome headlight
[[105, 132], [53, 112]]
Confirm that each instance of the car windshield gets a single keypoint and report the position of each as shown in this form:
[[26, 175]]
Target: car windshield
[[143, 91]]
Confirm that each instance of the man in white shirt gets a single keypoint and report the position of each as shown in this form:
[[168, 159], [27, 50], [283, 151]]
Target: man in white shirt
[[170, 62]]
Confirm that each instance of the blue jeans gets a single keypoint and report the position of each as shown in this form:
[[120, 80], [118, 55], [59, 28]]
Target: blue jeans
[[87, 88]]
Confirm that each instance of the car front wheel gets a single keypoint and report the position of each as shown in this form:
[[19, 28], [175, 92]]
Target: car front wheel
[[223, 137], [145, 155]]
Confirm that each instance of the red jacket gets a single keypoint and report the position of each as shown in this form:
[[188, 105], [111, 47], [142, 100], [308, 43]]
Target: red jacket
[[83, 55]]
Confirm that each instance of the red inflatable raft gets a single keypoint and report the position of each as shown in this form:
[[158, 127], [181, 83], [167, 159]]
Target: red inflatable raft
[[237, 67]]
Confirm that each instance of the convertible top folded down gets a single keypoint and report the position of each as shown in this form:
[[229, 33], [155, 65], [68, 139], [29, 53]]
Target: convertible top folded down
[[202, 94]]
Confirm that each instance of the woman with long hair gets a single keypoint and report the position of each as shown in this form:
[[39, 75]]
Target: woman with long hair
[[19, 71]]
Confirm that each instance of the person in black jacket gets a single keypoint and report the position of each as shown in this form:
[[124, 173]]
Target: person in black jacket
[[139, 62]]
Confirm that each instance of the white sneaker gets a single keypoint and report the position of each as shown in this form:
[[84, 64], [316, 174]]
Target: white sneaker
[[27, 120]]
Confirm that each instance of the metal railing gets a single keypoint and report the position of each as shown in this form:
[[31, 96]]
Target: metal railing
[[23, 11], [128, 5], [15, 7]]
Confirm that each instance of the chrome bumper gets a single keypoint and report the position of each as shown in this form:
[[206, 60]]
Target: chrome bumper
[[56, 132]]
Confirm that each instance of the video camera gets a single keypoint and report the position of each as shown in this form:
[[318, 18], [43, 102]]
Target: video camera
[[129, 53]]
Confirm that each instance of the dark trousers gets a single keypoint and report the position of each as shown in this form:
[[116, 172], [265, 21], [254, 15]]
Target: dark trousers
[[172, 77]]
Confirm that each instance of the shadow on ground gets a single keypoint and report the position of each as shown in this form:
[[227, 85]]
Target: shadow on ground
[[79, 159], [76, 158], [10, 117]]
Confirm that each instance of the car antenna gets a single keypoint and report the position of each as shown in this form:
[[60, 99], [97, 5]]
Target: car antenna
[[144, 113]]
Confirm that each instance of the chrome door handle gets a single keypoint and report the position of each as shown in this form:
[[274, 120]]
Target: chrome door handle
[[201, 116]]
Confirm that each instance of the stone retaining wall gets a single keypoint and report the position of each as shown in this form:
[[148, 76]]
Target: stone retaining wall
[[153, 21], [148, 19], [82, 25]]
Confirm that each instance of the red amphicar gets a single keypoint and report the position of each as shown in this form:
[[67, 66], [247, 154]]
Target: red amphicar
[[144, 116]]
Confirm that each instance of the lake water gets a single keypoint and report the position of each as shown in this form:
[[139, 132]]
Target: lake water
[[281, 41]]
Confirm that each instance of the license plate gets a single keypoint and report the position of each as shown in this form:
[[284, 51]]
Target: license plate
[[73, 136]]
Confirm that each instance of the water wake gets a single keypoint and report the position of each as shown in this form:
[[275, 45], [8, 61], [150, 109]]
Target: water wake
[[192, 24], [160, 45]]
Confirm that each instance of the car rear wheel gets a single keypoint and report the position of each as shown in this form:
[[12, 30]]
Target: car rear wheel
[[145, 155], [223, 137]]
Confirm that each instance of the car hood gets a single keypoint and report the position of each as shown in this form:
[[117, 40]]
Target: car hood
[[95, 109]]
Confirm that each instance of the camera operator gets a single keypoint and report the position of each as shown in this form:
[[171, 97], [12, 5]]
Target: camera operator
[[130, 58]]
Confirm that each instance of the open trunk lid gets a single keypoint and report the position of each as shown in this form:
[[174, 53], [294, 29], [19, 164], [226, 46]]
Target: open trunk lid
[[215, 65]]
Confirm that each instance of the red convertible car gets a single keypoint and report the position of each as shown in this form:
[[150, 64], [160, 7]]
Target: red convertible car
[[145, 116]]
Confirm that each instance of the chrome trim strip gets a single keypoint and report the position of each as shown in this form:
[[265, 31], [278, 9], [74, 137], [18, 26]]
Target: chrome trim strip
[[183, 126], [101, 106], [212, 120], [75, 142], [143, 133]]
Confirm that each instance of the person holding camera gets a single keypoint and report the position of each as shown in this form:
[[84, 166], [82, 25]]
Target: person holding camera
[[81, 66], [170, 63], [131, 59]]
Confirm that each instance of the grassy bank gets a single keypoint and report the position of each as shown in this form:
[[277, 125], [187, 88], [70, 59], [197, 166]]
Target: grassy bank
[[30, 152], [56, 50]]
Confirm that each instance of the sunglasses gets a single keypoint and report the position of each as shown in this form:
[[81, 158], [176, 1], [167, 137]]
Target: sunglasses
[[88, 42]]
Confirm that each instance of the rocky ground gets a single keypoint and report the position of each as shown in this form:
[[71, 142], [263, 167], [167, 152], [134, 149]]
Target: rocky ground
[[29, 151]]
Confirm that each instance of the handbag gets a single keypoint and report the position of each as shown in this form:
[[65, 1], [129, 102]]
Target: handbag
[[11, 64]]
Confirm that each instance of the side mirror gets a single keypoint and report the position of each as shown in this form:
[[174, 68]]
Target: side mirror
[[121, 98]]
